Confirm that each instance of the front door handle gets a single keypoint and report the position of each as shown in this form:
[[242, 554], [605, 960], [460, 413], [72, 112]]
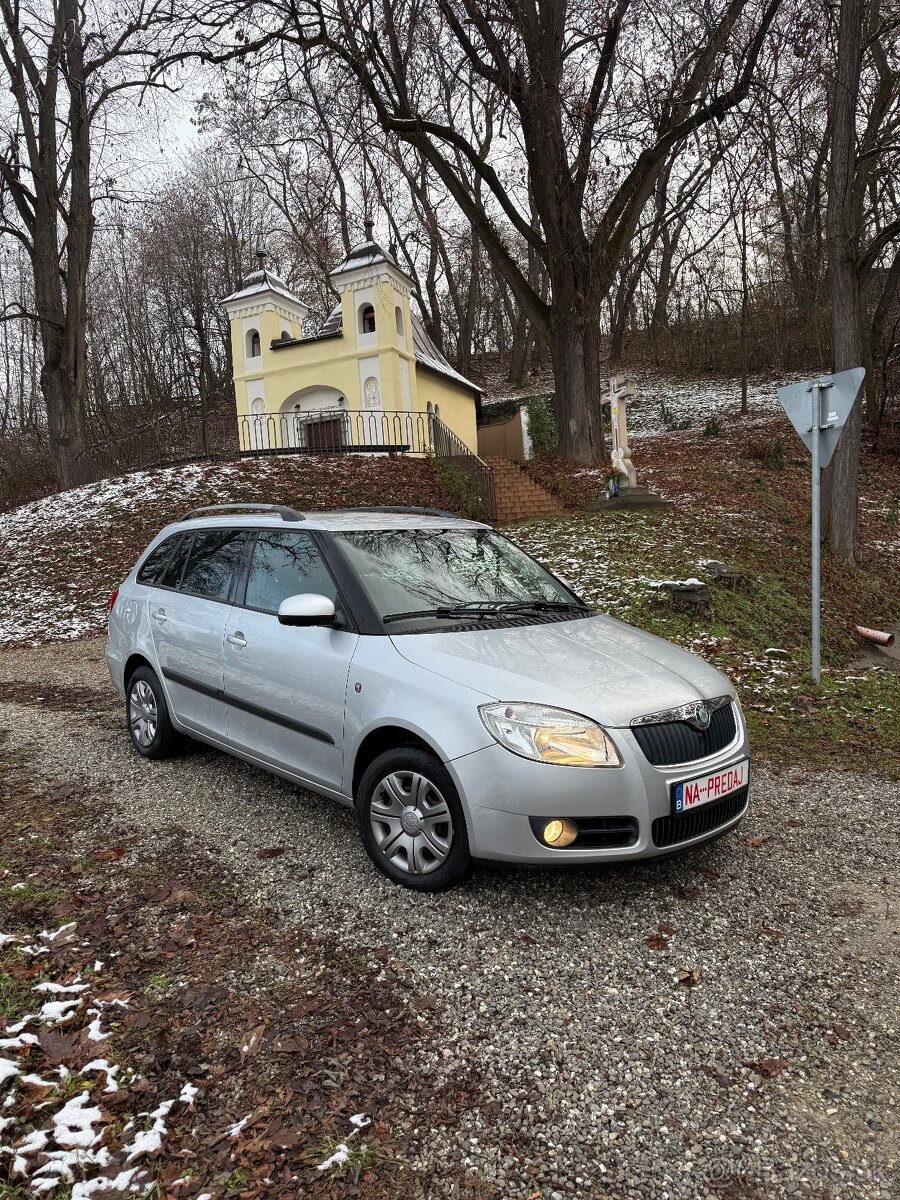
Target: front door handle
[[236, 639], [159, 614]]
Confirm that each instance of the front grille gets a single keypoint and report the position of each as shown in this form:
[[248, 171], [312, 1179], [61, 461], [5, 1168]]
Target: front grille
[[672, 742], [594, 833], [669, 831]]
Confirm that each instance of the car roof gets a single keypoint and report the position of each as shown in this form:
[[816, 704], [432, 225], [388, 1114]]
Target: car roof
[[335, 521]]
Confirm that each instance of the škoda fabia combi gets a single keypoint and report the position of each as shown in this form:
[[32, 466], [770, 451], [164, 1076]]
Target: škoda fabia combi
[[426, 671]]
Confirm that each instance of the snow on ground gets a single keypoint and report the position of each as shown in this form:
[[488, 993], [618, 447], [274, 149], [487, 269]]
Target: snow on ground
[[666, 402], [61, 556], [68, 1141]]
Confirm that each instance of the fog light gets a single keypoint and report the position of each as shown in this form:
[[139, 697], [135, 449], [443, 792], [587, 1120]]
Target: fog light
[[559, 833]]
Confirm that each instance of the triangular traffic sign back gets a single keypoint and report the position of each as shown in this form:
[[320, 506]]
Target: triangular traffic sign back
[[836, 402]]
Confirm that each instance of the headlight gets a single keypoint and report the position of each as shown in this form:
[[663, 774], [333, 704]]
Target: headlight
[[549, 735]]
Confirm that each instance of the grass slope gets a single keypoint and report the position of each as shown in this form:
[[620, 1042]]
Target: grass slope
[[61, 557]]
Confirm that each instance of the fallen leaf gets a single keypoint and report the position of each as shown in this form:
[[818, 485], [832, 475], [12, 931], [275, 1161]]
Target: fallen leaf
[[656, 941], [769, 1067], [666, 929], [292, 1044], [109, 855], [685, 893], [689, 976]]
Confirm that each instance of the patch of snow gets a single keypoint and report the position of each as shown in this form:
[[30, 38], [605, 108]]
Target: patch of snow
[[121, 1183], [237, 1129], [340, 1155], [94, 1032], [17, 887], [58, 933], [18, 1043], [73, 1125], [8, 1069], [58, 1012], [188, 1092], [59, 989], [148, 1141], [360, 1120], [100, 1064]]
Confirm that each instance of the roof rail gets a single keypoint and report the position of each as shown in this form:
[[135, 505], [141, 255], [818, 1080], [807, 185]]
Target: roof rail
[[402, 508], [286, 514]]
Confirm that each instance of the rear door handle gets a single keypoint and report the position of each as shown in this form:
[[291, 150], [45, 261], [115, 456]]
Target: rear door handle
[[236, 639], [159, 614]]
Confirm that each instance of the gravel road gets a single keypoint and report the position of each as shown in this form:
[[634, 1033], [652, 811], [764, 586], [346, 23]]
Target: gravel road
[[770, 1070]]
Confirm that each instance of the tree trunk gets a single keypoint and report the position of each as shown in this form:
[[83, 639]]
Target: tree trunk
[[744, 308], [840, 493], [574, 350]]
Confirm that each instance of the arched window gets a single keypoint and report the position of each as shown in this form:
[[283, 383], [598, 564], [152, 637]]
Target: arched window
[[367, 319], [398, 317], [285, 336], [254, 347]]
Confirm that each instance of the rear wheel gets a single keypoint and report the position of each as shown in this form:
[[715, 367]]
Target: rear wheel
[[411, 821], [149, 725]]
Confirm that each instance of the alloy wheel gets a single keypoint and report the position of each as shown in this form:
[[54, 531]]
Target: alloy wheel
[[411, 822]]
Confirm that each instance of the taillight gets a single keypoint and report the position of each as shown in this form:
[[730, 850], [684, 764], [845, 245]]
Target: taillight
[[113, 598]]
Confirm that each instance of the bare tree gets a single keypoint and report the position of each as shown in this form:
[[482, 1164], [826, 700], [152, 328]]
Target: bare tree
[[63, 63], [857, 238]]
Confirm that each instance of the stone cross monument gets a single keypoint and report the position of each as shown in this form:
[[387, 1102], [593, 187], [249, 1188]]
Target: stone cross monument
[[627, 493], [620, 393]]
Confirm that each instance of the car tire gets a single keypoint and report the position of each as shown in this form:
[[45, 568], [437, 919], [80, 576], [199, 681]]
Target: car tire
[[147, 714], [411, 820]]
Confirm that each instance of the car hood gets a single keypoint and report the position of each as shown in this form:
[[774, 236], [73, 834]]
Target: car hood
[[596, 666]]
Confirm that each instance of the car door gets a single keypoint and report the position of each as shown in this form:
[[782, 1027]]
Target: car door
[[286, 685], [187, 616]]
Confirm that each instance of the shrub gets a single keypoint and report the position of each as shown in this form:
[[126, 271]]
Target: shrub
[[712, 428], [541, 424], [773, 456]]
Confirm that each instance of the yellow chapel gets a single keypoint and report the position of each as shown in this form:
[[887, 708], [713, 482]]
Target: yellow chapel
[[370, 379]]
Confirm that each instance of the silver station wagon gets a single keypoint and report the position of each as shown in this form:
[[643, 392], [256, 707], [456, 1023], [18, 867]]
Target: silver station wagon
[[429, 673]]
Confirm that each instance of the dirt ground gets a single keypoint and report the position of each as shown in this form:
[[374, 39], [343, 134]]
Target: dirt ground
[[258, 1000]]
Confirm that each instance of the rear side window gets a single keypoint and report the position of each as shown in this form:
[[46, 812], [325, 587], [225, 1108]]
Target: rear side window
[[154, 565], [172, 573], [285, 564], [214, 560]]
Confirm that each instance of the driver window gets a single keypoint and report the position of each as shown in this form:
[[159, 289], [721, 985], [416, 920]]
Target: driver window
[[285, 564]]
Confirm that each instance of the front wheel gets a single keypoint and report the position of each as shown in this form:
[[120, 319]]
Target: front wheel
[[411, 821], [151, 731]]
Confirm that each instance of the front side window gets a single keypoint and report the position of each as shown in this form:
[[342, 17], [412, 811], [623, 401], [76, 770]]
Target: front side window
[[154, 565], [215, 559], [285, 564], [367, 319], [417, 570]]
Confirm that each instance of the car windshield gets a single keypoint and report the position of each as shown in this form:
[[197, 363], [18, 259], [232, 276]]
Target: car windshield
[[410, 573]]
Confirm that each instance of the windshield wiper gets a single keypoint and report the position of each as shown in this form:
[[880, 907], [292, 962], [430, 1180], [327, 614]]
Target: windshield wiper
[[481, 608]]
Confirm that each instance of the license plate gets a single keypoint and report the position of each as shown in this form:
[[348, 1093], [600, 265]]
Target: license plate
[[693, 793]]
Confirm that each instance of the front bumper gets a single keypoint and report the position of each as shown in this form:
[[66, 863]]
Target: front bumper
[[502, 792]]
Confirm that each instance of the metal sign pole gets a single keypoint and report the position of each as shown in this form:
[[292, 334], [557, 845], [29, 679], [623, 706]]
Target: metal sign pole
[[816, 535], [802, 401]]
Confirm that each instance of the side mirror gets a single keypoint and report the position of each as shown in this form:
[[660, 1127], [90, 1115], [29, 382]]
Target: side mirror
[[306, 609]]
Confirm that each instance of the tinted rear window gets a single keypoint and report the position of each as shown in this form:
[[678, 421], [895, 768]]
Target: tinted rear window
[[155, 563], [172, 573], [214, 561]]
